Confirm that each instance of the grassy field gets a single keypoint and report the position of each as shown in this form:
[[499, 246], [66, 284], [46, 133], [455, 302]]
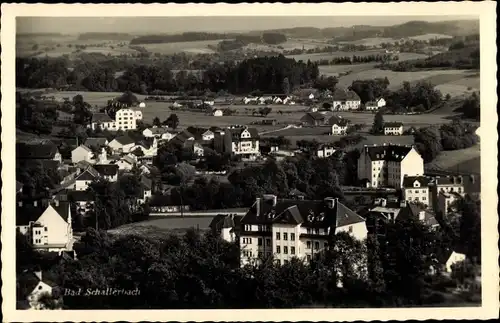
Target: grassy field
[[464, 160], [430, 36], [196, 47]]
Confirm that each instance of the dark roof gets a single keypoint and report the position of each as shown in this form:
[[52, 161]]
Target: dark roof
[[35, 151], [62, 209], [95, 142], [409, 180], [388, 152], [314, 115], [29, 280], [339, 95], [19, 186], [101, 117], [158, 130], [81, 196], [107, 170], [236, 133], [29, 213], [223, 221], [145, 142], [146, 182], [88, 175], [197, 132], [309, 213], [393, 124], [125, 140], [338, 121]]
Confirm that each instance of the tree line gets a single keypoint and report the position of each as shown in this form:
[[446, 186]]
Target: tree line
[[346, 60]]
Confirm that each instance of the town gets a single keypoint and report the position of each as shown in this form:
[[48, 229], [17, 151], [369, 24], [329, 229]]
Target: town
[[262, 183]]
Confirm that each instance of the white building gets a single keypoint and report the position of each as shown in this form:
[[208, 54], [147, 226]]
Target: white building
[[345, 100], [35, 285], [339, 125], [123, 144], [375, 105], [83, 180], [393, 129], [294, 228], [125, 119], [454, 258], [325, 151], [227, 226], [48, 227], [80, 153], [238, 141], [217, 113], [126, 163], [387, 165], [416, 189], [158, 133]]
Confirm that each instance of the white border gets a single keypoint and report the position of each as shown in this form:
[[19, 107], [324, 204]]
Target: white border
[[485, 10]]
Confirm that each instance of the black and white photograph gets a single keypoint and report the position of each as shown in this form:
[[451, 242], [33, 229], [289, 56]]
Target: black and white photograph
[[228, 162]]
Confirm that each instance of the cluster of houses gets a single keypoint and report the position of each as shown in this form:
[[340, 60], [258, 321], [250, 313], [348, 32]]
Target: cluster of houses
[[270, 99], [339, 125], [125, 119]]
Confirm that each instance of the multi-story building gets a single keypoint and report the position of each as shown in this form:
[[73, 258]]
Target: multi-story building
[[291, 228], [446, 184], [325, 151], [345, 100], [125, 119], [445, 202], [393, 129], [416, 188], [48, 226], [242, 141], [387, 165], [339, 125]]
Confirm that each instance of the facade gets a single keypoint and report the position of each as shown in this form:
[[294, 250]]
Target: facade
[[103, 121], [313, 119], [158, 132], [80, 153], [445, 202], [226, 226], [242, 141], [393, 129], [446, 184], [125, 119], [48, 227], [108, 172], [325, 151], [387, 165], [287, 229], [83, 180], [339, 125], [126, 163], [345, 100], [416, 188]]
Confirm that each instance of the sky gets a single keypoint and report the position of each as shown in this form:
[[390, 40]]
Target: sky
[[68, 25]]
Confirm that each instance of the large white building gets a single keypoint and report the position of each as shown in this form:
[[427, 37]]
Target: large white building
[[286, 229], [242, 141], [125, 119], [47, 226], [345, 100], [416, 189], [387, 165]]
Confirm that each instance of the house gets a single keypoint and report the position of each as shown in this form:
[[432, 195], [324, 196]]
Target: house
[[375, 105], [290, 228], [102, 121], [195, 147], [64, 116], [96, 143], [158, 132], [146, 186], [313, 119], [345, 100], [148, 146], [37, 151], [242, 141], [217, 113], [201, 134], [226, 226], [182, 137], [387, 165], [393, 129], [249, 99], [31, 287], [122, 144], [445, 202], [108, 172], [387, 210], [416, 188], [416, 211], [83, 200], [339, 125], [48, 226], [85, 178], [455, 257], [126, 163], [82, 152], [446, 184], [325, 151]]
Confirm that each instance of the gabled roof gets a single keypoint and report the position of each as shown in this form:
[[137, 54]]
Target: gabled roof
[[337, 120], [393, 124], [96, 142], [101, 117], [89, 174], [124, 140], [35, 151], [314, 115], [28, 213], [388, 152], [146, 182], [371, 103], [236, 133], [308, 213], [158, 130], [28, 281], [107, 170], [225, 221], [81, 196], [62, 209], [409, 180]]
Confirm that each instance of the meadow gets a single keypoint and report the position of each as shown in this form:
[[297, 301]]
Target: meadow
[[194, 47], [462, 160]]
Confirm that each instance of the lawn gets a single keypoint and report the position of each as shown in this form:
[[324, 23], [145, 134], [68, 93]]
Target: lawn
[[196, 47], [463, 160], [430, 36]]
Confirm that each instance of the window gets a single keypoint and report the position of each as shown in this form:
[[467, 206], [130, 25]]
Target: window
[[278, 249], [46, 229], [423, 198], [416, 198], [308, 257], [316, 245], [285, 236], [268, 242], [308, 231], [260, 254], [316, 231], [350, 229], [416, 191], [285, 250], [409, 191], [248, 227], [292, 250], [308, 244], [277, 236], [292, 236], [259, 242]]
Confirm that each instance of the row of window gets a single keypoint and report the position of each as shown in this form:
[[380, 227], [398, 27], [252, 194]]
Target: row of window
[[417, 191], [285, 236], [39, 231], [285, 250]]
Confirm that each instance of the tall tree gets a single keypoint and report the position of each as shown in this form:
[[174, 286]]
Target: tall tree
[[378, 123]]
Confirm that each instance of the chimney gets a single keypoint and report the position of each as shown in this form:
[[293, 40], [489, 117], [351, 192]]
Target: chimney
[[271, 197], [402, 203], [421, 215], [35, 203], [56, 202], [383, 202], [257, 206], [330, 202]]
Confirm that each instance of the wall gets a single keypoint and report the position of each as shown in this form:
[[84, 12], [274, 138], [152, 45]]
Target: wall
[[357, 230]]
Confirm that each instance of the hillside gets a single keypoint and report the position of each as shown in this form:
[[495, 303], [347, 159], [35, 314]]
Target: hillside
[[104, 36]]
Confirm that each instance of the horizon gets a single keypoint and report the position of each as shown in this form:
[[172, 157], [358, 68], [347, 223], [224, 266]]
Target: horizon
[[171, 25]]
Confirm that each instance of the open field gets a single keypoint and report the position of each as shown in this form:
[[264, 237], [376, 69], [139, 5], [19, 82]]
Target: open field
[[329, 56], [373, 41], [462, 160], [196, 47], [430, 36]]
